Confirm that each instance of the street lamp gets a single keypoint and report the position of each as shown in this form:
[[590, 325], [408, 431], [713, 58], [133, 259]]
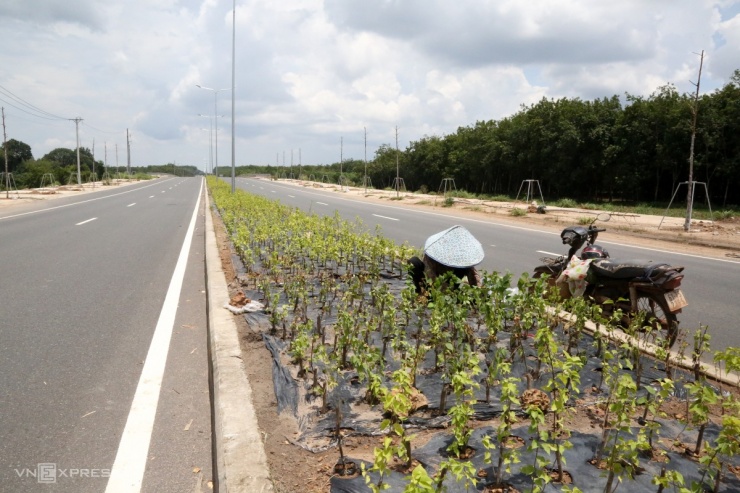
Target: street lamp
[[210, 140], [215, 116]]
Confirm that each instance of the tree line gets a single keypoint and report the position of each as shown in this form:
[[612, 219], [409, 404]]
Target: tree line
[[61, 165], [600, 150]]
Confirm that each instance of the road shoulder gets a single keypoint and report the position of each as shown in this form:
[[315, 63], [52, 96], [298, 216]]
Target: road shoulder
[[240, 456]]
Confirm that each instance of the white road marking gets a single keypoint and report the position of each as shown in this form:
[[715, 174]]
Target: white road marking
[[76, 203], [85, 222], [163, 191], [382, 217], [127, 472], [549, 253], [322, 203], [151, 196], [273, 191], [291, 196], [132, 204], [509, 226]]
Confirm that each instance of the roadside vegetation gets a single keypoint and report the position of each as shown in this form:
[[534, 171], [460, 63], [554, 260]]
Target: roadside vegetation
[[483, 365], [59, 168]]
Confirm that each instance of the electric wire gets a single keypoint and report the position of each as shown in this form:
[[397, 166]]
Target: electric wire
[[99, 130], [42, 113]]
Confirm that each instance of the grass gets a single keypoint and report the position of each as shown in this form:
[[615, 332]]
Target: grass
[[517, 212]]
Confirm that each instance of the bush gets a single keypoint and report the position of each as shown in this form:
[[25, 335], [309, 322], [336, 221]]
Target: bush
[[566, 203], [448, 202], [723, 215], [499, 198], [517, 212]]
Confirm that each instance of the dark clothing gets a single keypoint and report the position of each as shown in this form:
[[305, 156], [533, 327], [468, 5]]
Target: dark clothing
[[428, 269]]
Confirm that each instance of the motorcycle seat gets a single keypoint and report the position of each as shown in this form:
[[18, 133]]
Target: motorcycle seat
[[623, 269]]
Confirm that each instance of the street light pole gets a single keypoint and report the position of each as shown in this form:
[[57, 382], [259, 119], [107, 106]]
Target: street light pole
[[233, 95], [210, 140], [215, 117]]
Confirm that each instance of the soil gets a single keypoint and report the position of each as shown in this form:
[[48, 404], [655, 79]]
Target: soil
[[294, 468]]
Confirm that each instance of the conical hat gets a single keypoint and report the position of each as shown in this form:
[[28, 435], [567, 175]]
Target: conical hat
[[454, 247]]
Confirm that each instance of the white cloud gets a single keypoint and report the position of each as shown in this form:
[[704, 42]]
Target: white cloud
[[310, 72]]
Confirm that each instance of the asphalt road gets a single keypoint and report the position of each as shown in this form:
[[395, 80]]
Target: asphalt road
[[83, 286], [710, 286]]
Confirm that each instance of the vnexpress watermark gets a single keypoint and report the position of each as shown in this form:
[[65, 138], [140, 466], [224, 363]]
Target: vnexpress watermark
[[49, 473]]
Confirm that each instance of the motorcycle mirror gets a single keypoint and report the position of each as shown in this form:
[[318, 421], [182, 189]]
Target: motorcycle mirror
[[604, 217]]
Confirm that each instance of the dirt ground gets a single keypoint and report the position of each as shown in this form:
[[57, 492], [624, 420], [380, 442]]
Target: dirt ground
[[295, 469]]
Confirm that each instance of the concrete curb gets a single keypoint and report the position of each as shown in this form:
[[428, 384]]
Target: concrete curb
[[240, 461], [680, 361]]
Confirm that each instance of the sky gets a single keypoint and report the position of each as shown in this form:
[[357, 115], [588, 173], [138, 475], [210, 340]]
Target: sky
[[319, 81]]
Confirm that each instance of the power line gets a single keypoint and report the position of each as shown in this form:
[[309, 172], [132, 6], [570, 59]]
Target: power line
[[49, 121], [19, 100], [28, 112], [101, 131]]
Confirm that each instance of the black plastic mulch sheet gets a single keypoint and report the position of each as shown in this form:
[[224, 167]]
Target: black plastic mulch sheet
[[294, 395], [585, 476]]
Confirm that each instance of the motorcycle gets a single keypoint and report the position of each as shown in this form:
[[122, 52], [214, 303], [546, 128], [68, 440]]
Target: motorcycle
[[637, 287]]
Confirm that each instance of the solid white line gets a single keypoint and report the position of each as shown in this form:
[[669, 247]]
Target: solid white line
[[321, 203], [127, 472], [85, 222], [132, 204], [382, 217], [549, 253]]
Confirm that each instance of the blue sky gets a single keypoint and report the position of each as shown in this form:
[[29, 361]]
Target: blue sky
[[312, 73]]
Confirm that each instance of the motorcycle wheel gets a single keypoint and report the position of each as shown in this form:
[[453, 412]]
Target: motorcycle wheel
[[655, 308]]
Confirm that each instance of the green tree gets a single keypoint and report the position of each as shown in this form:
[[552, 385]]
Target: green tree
[[29, 173], [18, 152]]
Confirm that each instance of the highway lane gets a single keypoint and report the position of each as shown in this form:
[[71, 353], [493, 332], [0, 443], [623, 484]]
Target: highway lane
[[82, 284], [710, 285]]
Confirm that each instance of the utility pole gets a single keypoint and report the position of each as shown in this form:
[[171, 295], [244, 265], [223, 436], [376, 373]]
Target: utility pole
[[128, 154], [117, 157], [77, 132], [694, 113], [291, 162], [299, 163], [5, 149], [341, 158]]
